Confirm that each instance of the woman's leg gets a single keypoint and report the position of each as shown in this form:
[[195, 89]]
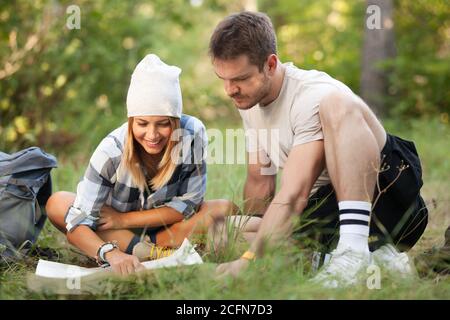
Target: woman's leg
[[56, 208], [248, 225], [236, 227], [59, 203], [211, 217], [209, 212]]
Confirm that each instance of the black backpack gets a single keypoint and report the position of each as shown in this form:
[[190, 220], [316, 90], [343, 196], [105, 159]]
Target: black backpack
[[25, 186]]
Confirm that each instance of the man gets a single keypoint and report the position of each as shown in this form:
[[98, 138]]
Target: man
[[331, 148]]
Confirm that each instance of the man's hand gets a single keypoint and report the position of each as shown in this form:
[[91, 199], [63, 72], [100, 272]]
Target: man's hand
[[231, 268], [122, 263], [110, 219]]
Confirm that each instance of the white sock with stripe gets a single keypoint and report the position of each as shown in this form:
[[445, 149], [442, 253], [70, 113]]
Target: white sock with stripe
[[354, 217]]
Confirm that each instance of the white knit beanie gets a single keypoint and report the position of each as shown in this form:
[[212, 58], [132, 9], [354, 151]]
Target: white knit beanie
[[154, 89]]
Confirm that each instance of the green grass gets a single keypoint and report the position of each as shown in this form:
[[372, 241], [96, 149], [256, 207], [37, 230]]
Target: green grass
[[283, 273]]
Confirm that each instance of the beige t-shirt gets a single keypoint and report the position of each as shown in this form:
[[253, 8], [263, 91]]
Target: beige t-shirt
[[291, 119]]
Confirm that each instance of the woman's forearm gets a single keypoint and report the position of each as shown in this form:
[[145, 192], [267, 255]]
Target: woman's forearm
[[85, 239], [152, 218]]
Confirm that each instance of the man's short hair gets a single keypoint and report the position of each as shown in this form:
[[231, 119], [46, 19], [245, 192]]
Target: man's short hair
[[244, 33]]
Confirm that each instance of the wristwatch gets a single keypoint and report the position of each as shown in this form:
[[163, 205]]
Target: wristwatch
[[104, 248]]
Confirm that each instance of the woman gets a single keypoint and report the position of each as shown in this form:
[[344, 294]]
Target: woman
[[149, 174]]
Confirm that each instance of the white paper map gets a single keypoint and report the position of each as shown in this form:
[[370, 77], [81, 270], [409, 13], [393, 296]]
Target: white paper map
[[185, 255]]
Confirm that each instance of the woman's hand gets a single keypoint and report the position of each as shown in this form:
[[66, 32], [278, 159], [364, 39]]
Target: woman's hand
[[110, 219], [122, 263]]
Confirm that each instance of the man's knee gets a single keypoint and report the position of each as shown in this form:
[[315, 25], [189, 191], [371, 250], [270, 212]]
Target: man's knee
[[337, 108]]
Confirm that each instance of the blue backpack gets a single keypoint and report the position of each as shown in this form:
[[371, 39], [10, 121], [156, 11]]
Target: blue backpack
[[25, 186]]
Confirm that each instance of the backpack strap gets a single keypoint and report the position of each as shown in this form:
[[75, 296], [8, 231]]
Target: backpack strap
[[33, 183]]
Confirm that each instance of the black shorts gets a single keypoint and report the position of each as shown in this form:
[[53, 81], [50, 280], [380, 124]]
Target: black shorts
[[399, 216]]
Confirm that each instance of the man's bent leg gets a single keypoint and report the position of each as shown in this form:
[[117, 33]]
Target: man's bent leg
[[352, 151], [353, 140]]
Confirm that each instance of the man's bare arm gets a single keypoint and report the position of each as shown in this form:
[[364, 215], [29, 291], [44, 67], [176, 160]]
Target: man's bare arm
[[259, 189], [304, 164]]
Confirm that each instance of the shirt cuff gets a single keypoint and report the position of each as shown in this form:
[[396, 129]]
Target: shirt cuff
[[299, 141], [182, 207], [76, 217]]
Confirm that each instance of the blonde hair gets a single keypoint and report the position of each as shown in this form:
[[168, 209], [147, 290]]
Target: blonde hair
[[132, 162]]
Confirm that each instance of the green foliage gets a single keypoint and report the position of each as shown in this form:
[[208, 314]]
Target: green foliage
[[71, 85], [420, 77], [323, 35], [328, 35], [60, 86]]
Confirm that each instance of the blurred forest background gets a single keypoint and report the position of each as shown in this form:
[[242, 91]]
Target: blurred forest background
[[63, 89]]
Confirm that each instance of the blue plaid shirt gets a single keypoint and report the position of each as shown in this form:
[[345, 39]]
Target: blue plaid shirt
[[102, 185]]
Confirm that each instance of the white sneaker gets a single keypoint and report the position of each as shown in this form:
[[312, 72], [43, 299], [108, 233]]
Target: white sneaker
[[345, 268], [394, 262]]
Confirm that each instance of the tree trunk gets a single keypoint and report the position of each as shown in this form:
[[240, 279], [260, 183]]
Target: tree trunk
[[379, 45]]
